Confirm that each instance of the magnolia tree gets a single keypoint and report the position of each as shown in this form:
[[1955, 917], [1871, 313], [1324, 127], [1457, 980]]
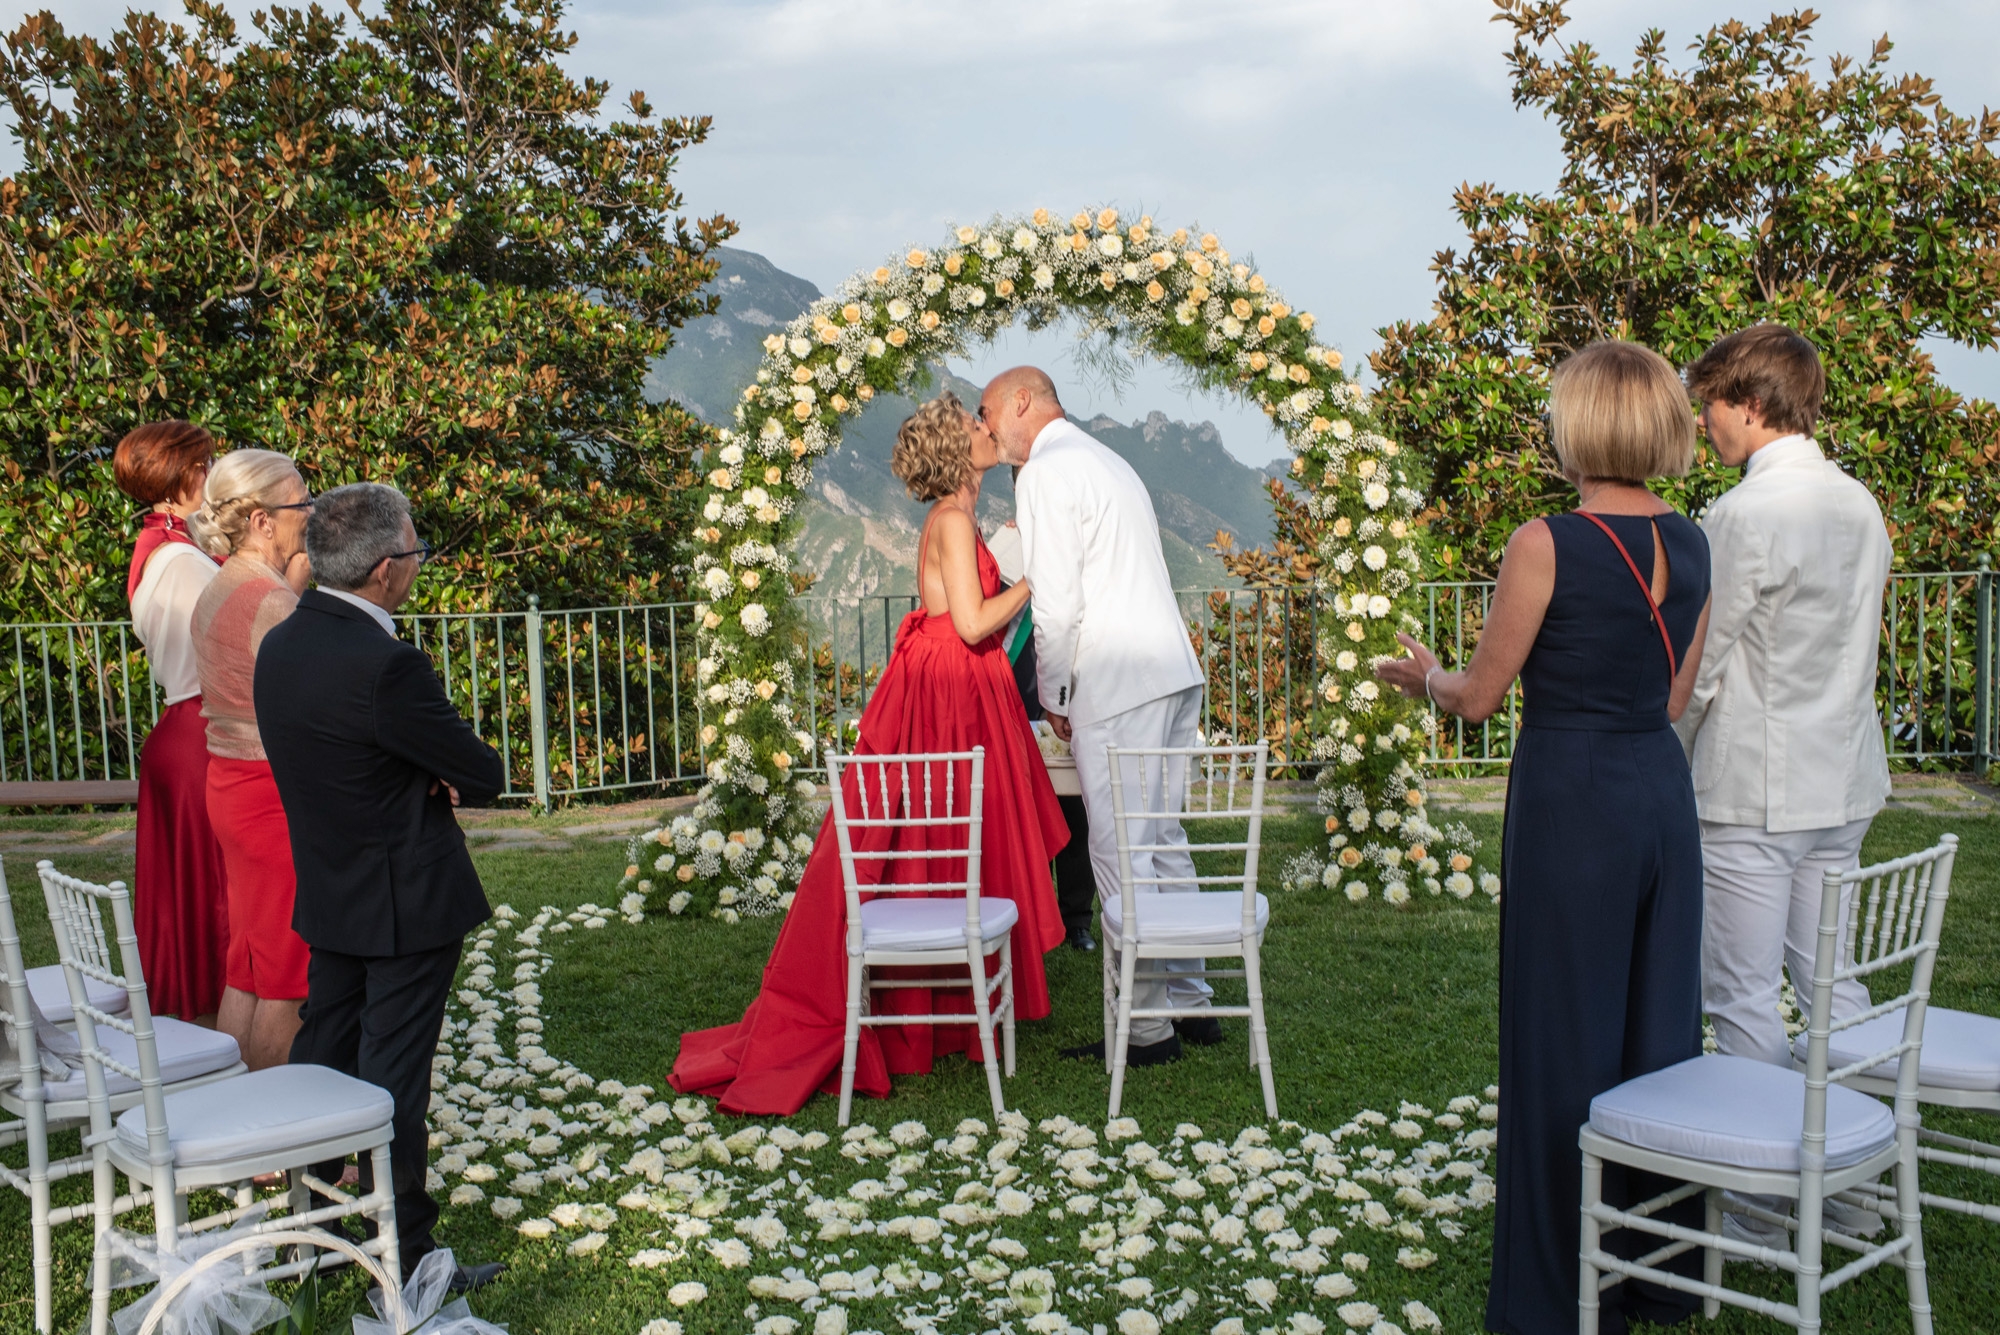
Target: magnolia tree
[[1167, 294]]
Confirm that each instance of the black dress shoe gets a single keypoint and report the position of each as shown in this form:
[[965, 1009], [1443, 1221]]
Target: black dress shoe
[[468, 1278], [1166, 1050], [1202, 1030], [1081, 939]]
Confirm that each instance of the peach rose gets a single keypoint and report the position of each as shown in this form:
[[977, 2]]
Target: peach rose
[[1154, 292], [773, 475], [898, 337], [917, 259], [1266, 325], [851, 313], [953, 264], [1256, 282], [1040, 218], [1107, 219], [880, 276], [1080, 223], [802, 411], [929, 320], [1258, 361], [1240, 308], [865, 393], [1004, 288], [1209, 245], [839, 402]]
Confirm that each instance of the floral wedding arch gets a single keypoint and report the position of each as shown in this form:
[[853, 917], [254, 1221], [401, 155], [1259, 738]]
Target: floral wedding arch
[[1173, 295]]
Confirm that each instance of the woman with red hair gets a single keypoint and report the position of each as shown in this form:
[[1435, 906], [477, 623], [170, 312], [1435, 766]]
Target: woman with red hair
[[179, 906]]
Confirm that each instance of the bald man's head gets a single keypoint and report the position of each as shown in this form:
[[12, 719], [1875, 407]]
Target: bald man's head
[[1017, 404]]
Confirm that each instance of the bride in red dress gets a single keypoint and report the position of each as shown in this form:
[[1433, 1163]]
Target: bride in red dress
[[947, 687]]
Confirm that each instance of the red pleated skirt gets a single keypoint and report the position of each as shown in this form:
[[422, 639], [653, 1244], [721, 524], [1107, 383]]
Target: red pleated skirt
[[179, 905], [936, 694], [266, 957]]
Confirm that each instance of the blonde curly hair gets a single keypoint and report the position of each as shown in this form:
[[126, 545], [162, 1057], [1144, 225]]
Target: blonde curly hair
[[240, 483], [933, 454]]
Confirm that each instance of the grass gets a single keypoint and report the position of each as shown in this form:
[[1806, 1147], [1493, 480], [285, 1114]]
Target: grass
[[1368, 1007]]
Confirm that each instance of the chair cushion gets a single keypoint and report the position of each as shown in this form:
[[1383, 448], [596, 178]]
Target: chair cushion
[[1200, 918], [906, 922], [1961, 1050], [1739, 1112], [260, 1113], [51, 993], [186, 1051]]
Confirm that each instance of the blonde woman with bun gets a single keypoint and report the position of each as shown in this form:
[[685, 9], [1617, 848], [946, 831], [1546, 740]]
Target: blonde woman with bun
[[948, 686], [253, 517]]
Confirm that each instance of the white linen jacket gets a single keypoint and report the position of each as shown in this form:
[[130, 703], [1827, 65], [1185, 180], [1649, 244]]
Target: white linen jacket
[[1109, 634], [1782, 731]]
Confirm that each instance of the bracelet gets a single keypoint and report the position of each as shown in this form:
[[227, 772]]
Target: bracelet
[[1435, 669]]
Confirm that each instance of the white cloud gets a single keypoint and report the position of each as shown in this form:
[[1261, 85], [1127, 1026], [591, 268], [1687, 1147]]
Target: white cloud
[[1323, 136]]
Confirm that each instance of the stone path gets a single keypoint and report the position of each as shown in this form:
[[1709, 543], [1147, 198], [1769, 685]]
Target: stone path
[[516, 831]]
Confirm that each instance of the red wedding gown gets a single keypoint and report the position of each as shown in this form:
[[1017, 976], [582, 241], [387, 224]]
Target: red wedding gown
[[936, 694]]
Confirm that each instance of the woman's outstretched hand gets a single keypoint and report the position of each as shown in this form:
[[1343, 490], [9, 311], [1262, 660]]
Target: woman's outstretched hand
[[1408, 674]]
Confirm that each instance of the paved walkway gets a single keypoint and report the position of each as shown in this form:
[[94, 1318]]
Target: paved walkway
[[519, 831]]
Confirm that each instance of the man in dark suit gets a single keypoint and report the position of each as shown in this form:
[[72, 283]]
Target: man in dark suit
[[370, 758]]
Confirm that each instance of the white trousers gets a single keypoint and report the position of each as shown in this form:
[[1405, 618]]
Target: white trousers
[[1170, 720], [1761, 899]]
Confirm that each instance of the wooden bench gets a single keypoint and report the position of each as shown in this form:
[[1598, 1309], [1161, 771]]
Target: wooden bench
[[70, 793]]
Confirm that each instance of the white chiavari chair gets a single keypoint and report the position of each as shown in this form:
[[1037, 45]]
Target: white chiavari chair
[[891, 812]]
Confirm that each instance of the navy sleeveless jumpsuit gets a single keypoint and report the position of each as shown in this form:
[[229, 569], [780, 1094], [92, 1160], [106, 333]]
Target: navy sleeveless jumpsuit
[[1600, 923]]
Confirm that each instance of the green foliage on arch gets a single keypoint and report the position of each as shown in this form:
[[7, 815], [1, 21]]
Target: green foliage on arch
[[1171, 295]]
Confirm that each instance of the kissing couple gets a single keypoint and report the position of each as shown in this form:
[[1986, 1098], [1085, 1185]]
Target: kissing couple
[[1115, 667]]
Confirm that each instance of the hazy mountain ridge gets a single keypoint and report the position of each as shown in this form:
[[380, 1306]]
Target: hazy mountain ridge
[[859, 527]]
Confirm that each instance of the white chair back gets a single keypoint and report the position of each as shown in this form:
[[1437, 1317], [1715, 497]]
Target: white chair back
[[875, 795], [79, 929], [1896, 920], [1193, 785], [17, 1014]]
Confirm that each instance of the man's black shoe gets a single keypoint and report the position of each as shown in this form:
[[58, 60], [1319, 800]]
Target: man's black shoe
[[1081, 939], [1203, 1030], [469, 1278], [1166, 1050]]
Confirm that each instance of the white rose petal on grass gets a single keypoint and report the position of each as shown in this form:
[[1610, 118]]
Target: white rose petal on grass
[[467, 1194], [1031, 1291], [1415, 1258], [687, 1293], [1358, 1316], [588, 1243], [535, 1228], [1333, 1286], [1305, 1323], [1356, 1262], [652, 1258], [505, 1207], [1227, 1326], [1421, 1317], [730, 1253], [1261, 1291], [1134, 1321], [831, 1321], [660, 1326]]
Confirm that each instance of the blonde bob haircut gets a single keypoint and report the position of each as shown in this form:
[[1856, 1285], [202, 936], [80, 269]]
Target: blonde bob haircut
[[1618, 411], [240, 483], [933, 454]]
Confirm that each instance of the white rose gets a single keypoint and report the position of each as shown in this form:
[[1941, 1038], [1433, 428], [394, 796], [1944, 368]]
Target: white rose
[[1110, 245], [1045, 277], [800, 347], [1374, 557], [1376, 495], [756, 620], [876, 347], [989, 247], [716, 580], [1024, 240], [1232, 327], [1346, 660], [713, 510], [899, 310], [1378, 607]]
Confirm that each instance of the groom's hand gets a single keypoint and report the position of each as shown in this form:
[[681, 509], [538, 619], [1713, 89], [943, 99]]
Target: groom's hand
[[1059, 723]]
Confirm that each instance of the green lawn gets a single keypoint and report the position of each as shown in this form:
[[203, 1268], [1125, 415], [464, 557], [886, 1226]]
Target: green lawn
[[1370, 1008]]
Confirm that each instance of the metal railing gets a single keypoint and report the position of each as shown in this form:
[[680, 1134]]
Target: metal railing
[[596, 701]]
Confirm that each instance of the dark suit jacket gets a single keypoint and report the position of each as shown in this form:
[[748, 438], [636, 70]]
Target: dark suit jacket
[[357, 725]]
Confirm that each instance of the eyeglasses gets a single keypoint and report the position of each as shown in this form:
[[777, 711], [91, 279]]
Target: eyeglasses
[[305, 504], [422, 553]]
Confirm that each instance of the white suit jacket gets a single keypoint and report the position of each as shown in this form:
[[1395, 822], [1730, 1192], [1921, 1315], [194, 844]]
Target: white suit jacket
[[1109, 634], [1783, 731]]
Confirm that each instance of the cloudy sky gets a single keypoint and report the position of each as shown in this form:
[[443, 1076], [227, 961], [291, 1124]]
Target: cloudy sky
[[1321, 137]]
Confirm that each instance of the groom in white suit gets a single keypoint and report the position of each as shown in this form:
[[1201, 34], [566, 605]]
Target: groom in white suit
[[1116, 667]]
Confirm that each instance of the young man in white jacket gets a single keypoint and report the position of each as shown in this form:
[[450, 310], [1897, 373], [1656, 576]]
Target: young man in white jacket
[[1782, 731], [1115, 663]]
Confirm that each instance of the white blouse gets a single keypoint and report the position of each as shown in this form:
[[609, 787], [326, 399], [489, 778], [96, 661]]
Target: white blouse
[[162, 612]]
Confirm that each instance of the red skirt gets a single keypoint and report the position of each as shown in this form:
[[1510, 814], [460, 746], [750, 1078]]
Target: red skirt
[[178, 901], [936, 694], [266, 957]]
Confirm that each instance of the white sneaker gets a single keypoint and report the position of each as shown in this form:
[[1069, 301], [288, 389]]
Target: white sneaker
[[1742, 1228], [1854, 1220]]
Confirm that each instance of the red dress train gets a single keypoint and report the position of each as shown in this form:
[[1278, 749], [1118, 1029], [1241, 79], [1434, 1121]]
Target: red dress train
[[936, 694]]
